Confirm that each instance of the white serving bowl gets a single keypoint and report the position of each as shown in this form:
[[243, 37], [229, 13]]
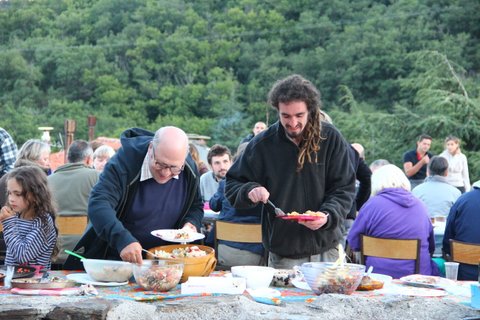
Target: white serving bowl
[[108, 270], [255, 276]]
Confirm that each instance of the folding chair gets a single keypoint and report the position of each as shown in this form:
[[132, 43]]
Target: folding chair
[[237, 232], [391, 248], [464, 252]]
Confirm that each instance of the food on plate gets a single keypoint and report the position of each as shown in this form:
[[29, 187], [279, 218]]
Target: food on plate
[[368, 284], [182, 235], [38, 280], [421, 279], [187, 252]]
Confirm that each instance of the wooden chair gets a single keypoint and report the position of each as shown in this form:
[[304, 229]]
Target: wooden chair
[[464, 252], [237, 232], [71, 225], [391, 248]]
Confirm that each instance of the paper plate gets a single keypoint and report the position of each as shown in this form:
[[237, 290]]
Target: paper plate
[[177, 235], [84, 278], [301, 284], [418, 280]]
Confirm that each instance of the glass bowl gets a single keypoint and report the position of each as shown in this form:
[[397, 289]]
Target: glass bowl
[[326, 277], [158, 275]]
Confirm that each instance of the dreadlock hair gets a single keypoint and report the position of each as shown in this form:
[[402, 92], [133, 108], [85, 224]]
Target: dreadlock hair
[[37, 195], [296, 88]]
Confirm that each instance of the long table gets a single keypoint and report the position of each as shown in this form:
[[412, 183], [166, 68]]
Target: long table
[[130, 302]]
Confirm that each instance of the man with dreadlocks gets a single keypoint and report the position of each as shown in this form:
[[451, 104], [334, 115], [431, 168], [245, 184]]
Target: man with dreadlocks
[[300, 163]]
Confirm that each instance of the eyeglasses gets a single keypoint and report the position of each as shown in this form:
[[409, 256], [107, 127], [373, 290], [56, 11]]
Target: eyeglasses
[[161, 166]]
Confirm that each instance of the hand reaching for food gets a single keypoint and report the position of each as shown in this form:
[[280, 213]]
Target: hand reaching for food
[[259, 194]]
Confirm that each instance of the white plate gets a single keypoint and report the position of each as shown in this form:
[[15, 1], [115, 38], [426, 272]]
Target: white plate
[[301, 284], [84, 278], [418, 280], [412, 291], [381, 277], [171, 235]]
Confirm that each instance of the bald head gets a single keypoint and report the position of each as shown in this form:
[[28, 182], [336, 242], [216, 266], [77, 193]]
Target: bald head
[[168, 151], [359, 148], [171, 139]]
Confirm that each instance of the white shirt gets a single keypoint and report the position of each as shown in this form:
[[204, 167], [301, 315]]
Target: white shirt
[[457, 170]]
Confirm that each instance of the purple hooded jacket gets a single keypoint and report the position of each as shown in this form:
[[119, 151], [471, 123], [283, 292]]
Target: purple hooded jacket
[[395, 213]]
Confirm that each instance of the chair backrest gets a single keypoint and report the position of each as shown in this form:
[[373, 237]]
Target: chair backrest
[[71, 225], [464, 252], [238, 232], [391, 249]]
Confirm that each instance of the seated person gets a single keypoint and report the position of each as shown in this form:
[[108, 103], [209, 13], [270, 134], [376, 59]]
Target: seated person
[[463, 224], [438, 196], [150, 183], [392, 212], [220, 159]]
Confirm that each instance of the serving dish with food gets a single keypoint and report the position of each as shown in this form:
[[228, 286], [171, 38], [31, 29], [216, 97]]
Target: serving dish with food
[[374, 281], [198, 260], [108, 270], [158, 275], [330, 277], [177, 235]]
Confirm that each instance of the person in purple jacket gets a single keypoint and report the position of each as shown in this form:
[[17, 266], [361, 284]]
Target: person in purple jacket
[[394, 213]]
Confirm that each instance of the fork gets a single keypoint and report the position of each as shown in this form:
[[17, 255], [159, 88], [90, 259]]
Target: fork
[[278, 211]]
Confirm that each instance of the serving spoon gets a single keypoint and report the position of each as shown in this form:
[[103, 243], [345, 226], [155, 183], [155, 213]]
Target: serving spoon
[[74, 254]]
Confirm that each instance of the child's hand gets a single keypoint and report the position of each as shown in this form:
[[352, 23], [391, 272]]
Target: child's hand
[[6, 212]]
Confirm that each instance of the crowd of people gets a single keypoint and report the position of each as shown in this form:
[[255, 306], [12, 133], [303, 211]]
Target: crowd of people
[[302, 162]]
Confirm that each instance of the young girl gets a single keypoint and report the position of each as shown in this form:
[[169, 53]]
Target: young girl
[[457, 164], [28, 219]]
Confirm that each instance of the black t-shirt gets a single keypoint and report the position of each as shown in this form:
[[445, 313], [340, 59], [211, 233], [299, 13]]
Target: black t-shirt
[[411, 156]]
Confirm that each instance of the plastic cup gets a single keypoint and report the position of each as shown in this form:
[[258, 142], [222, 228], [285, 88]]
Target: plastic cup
[[8, 277], [451, 270], [475, 303]]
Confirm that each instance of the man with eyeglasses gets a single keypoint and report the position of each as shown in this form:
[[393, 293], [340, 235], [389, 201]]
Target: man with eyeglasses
[[151, 183]]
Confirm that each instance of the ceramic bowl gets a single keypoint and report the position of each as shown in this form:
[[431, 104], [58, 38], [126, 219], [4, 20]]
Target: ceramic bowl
[[255, 276]]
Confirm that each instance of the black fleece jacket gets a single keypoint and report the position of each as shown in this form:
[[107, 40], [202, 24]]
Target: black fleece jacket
[[270, 160]]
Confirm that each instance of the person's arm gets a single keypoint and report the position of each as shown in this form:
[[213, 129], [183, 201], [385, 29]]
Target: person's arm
[[194, 216], [465, 175], [339, 181], [8, 154], [217, 199], [358, 228], [449, 231], [364, 176], [239, 179], [411, 169], [105, 199], [24, 248]]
